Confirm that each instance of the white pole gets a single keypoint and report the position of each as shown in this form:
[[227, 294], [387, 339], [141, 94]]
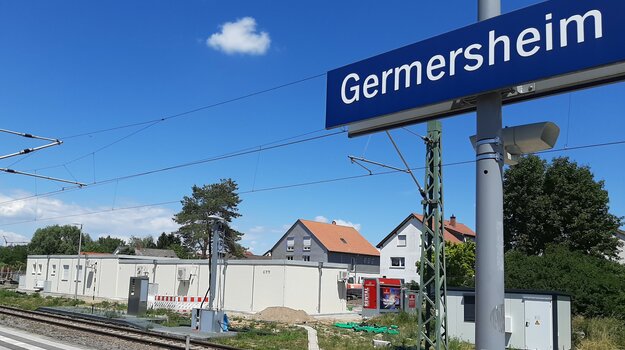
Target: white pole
[[489, 286]]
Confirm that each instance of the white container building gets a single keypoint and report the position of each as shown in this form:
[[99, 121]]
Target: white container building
[[533, 319], [243, 285]]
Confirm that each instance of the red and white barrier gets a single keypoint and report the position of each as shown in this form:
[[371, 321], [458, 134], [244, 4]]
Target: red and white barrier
[[175, 303]]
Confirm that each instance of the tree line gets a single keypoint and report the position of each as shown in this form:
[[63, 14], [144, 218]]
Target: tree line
[[191, 241], [559, 235]]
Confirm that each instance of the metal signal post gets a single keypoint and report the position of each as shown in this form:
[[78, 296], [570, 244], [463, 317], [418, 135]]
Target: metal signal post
[[432, 332], [489, 274]]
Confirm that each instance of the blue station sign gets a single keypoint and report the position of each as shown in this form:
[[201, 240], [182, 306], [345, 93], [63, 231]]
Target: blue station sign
[[548, 48]]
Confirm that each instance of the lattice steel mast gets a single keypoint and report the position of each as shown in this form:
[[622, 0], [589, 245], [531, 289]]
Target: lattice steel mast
[[432, 332]]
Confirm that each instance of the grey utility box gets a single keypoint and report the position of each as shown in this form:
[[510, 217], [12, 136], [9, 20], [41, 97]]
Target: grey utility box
[[207, 321], [410, 304], [138, 296]]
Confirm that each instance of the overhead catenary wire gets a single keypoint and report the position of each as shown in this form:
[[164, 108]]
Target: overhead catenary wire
[[267, 189], [302, 184], [156, 121], [401, 156], [121, 178], [285, 142], [197, 109]]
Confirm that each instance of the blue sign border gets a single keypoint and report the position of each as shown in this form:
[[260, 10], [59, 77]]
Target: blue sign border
[[595, 51]]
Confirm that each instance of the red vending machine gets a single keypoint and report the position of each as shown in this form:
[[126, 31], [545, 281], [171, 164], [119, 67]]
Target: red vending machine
[[380, 295]]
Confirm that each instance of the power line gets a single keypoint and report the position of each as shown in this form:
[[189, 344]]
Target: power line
[[181, 114], [303, 184], [246, 151], [153, 122], [267, 189]]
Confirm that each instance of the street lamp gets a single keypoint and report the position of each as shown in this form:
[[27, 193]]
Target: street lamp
[[78, 264]]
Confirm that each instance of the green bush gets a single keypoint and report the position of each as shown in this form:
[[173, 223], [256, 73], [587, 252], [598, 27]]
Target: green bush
[[597, 285]]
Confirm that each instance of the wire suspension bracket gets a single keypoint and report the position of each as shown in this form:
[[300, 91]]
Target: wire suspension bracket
[[53, 142]]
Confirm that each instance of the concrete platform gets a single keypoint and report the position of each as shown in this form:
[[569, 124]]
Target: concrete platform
[[142, 323]]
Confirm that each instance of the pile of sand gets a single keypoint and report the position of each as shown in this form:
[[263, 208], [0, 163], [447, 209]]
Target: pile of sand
[[283, 314]]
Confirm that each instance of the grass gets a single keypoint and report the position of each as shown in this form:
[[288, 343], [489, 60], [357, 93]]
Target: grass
[[335, 338], [598, 333], [588, 333], [34, 301], [172, 318], [265, 336]]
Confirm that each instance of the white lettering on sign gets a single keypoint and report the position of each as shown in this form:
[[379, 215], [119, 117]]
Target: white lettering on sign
[[501, 49]]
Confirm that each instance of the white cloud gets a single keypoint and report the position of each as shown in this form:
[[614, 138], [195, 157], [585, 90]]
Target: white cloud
[[321, 218], [347, 223], [240, 37], [257, 229], [117, 223]]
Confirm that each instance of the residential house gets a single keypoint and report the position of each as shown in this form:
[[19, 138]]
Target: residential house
[[159, 253], [400, 250], [321, 242]]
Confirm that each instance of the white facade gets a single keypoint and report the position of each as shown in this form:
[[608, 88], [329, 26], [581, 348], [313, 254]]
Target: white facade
[[243, 285], [404, 246], [533, 320]]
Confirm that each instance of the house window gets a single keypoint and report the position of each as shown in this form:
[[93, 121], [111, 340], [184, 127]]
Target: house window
[[469, 308], [401, 240], [290, 244], [65, 275], [53, 272], [34, 269], [78, 273], [307, 243], [289, 257], [39, 269], [398, 263], [353, 265], [306, 257], [343, 240]]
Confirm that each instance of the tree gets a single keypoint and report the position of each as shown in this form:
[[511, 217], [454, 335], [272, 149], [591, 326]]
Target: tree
[[57, 240], [165, 240], [14, 256], [106, 244], [460, 264], [596, 284], [141, 243], [219, 199], [172, 241], [558, 203]]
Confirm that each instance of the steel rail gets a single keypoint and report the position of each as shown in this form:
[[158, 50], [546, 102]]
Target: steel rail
[[166, 341]]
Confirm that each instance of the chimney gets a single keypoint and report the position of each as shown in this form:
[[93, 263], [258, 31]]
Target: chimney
[[333, 222], [452, 220]]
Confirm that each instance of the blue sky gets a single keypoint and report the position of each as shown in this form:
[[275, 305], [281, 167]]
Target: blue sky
[[74, 67]]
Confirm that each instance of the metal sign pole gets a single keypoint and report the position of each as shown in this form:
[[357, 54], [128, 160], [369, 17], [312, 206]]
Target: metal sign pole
[[489, 284], [214, 259]]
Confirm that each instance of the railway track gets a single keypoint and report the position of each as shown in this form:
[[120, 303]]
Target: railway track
[[156, 339]]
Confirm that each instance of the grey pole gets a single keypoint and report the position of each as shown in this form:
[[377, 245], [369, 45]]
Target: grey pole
[[214, 259], [78, 264], [489, 284]]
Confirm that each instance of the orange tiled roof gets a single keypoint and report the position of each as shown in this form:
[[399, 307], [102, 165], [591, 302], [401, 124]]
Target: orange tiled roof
[[450, 233], [342, 239]]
